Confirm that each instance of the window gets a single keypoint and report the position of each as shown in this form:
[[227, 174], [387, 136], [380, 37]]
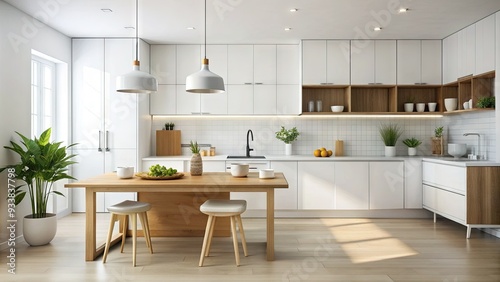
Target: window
[[43, 93]]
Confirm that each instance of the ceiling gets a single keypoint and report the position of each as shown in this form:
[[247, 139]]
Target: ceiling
[[259, 21]]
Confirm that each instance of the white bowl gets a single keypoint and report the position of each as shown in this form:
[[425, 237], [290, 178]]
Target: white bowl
[[457, 150], [239, 170], [266, 173], [337, 109], [450, 104], [125, 171]]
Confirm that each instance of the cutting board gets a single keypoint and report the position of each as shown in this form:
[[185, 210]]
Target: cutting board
[[168, 143]]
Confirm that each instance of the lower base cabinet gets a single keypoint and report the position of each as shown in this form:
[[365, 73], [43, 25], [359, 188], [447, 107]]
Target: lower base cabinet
[[316, 185], [386, 185], [351, 185]]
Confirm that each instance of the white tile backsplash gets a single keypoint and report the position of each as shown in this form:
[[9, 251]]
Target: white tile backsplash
[[360, 134]]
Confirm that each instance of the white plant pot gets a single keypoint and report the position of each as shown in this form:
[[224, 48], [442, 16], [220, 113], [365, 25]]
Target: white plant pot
[[39, 231], [288, 149], [412, 151], [390, 151], [408, 107]]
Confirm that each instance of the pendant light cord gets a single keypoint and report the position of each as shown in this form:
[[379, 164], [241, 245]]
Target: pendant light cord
[[205, 29], [137, 30]]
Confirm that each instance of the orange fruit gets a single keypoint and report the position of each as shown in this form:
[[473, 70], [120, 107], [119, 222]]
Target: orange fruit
[[323, 149], [330, 152], [324, 153], [317, 153]]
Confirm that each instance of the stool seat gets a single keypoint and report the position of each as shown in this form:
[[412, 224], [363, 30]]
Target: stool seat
[[127, 207], [223, 206]]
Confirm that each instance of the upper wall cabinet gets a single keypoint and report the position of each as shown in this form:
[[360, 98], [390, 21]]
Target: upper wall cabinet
[[373, 62], [485, 45], [163, 63], [325, 62], [467, 51], [419, 62], [450, 58]]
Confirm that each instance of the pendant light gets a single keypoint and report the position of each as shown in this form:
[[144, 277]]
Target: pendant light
[[204, 81], [136, 81]]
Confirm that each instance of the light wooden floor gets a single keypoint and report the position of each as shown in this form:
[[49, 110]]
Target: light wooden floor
[[306, 250]]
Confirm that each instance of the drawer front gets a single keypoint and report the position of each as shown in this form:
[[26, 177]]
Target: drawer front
[[451, 205], [445, 176], [429, 197]]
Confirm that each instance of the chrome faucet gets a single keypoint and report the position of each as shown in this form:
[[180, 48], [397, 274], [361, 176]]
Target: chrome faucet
[[476, 156], [248, 145]]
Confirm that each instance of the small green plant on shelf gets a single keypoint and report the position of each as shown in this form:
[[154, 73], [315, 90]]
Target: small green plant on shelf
[[390, 133], [412, 142], [486, 102], [195, 149], [287, 136]]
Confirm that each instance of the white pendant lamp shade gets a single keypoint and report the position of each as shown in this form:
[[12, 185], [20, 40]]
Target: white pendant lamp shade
[[204, 81], [136, 81]]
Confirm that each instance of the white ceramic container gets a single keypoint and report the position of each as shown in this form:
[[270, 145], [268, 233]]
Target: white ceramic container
[[125, 171], [337, 109], [266, 173], [432, 106], [457, 150], [420, 107], [450, 104], [239, 170]]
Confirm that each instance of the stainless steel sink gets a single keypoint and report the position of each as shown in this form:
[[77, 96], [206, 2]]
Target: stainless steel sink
[[245, 157]]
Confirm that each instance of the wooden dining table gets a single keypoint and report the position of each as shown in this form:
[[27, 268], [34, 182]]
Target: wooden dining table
[[208, 182]]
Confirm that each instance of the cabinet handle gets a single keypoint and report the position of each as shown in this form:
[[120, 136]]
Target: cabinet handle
[[99, 149], [248, 83], [106, 140], [326, 83], [259, 83]]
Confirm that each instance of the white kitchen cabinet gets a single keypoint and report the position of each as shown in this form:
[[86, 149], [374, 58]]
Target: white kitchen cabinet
[[264, 64], [373, 62], [255, 200], [240, 99], [351, 185], [187, 103], [164, 101], [419, 62], [485, 45], [325, 62], [240, 65], [387, 185], [163, 63], [316, 186], [413, 178], [450, 58], [287, 65], [467, 51], [188, 61], [288, 99], [264, 99], [286, 199], [216, 103]]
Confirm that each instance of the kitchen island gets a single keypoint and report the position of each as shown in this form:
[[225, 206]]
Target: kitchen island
[[208, 182]]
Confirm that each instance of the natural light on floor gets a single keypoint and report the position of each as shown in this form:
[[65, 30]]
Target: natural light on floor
[[353, 238]]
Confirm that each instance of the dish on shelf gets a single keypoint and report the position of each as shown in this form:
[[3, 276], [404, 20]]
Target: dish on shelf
[[337, 109], [145, 175]]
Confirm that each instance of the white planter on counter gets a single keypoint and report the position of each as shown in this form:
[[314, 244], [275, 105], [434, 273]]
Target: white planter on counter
[[390, 151], [288, 149]]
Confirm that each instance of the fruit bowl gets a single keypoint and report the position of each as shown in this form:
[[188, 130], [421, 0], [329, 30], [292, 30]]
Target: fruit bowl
[[337, 109], [457, 150]]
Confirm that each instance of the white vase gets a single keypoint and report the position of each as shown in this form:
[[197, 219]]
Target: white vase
[[390, 151], [412, 151], [288, 149], [408, 107], [39, 231]]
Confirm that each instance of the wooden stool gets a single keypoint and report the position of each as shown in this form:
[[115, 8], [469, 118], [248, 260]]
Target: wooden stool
[[125, 209], [222, 208]]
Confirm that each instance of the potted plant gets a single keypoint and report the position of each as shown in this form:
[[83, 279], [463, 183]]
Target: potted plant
[[486, 102], [287, 136], [390, 134], [409, 104], [437, 141], [196, 168], [42, 164], [412, 144]]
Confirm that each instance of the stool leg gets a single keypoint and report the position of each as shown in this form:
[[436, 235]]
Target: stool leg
[[110, 233], [124, 231], [210, 236], [145, 229], [235, 240], [205, 239], [242, 234], [134, 236]]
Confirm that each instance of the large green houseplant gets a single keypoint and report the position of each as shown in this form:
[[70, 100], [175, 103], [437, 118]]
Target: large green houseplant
[[42, 163]]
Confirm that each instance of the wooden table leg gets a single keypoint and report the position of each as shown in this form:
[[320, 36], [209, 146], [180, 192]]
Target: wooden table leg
[[90, 221], [270, 224]]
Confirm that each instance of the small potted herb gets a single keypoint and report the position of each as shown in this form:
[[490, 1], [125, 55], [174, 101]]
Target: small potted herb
[[437, 141], [412, 144]]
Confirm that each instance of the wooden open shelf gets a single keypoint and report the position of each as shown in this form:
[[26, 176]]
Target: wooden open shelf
[[390, 99]]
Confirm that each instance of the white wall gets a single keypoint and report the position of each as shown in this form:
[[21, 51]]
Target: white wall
[[20, 33]]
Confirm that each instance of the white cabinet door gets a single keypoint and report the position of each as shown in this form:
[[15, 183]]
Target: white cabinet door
[[467, 51], [187, 103], [413, 183], [164, 101], [429, 197], [264, 99], [214, 166], [351, 185], [450, 58], [485, 45], [215, 104], [288, 99], [287, 64], [264, 64], [449, 177], [362, 62], [431, 62], [240, 64], [313, 62], [409, 62], [240, 99], [286, 199], [217, 60], [316, 186], [338, 62], [188, 61], [386, 185], [385, 61], [89, 163], [163, 63]]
